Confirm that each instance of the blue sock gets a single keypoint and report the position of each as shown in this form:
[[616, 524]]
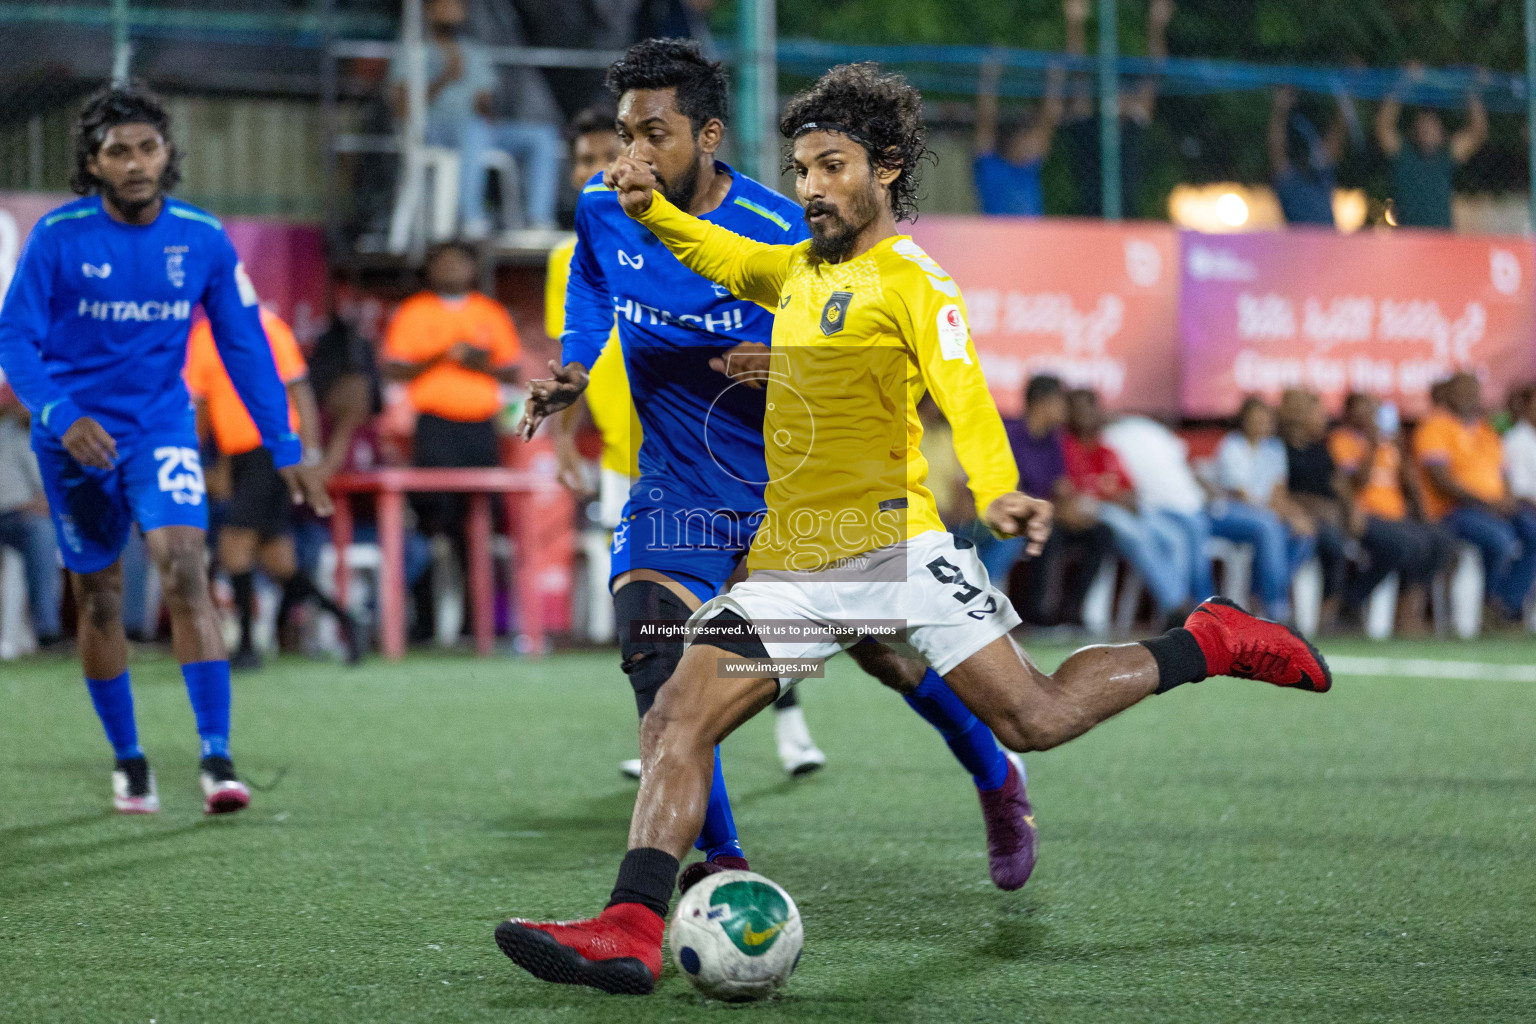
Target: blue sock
[[114, 706], [971, 742], [208, 688], [718, 838]]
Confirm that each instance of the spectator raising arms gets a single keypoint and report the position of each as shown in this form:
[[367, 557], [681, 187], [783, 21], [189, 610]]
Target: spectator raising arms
[[1422, 168], [1080, 134], [1009, 159], [1303, 163]]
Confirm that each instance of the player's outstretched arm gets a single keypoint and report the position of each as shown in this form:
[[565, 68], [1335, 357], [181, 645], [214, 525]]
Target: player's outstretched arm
[[933, 322], [231, 302], [751, 270]]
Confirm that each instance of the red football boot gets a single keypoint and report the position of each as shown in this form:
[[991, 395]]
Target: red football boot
[[618, 951], [1236, 643]]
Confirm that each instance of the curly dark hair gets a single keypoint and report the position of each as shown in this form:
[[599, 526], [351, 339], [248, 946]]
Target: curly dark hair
[[882, 108], [703, 91], [104, 110]]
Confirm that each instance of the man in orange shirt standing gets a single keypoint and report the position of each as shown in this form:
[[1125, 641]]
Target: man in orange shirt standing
[[1463, 463], [455, 348], [258, 525]]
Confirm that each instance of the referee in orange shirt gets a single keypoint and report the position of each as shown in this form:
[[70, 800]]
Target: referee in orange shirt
[[258, 525]]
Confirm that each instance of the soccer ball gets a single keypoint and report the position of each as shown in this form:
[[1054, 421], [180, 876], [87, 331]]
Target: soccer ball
[[736, 936]]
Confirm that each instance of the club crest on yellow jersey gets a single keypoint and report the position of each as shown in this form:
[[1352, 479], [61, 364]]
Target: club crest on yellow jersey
[[835, 313]]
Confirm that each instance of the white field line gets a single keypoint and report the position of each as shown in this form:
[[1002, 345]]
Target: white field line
[[1430, 668]]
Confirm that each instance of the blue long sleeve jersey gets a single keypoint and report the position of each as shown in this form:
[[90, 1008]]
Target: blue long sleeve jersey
[[702, 443], [95, 323]]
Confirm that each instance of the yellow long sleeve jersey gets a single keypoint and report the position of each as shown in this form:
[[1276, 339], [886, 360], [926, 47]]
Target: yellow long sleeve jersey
[[855, 347]]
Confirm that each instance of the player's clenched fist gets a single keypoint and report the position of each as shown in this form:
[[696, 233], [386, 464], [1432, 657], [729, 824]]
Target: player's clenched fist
[[634, 181], [1016, 513]]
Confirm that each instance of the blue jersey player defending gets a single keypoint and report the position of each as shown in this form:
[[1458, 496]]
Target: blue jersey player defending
[[695, 507], [93, 338]]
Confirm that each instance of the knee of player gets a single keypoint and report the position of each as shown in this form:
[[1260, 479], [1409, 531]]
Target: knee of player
[[102, 607], [183, 574], [900, 674], [1026, 728], [669, 726]]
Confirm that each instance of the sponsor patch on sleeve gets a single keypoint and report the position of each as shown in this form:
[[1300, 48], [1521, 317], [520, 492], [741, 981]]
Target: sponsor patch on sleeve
[[243, 282], [953, 334]]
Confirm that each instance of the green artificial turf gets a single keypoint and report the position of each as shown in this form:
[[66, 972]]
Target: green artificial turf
[[1228, 852]]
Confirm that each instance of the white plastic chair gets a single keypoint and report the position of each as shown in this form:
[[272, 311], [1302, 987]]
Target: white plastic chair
[[1381, 609], [1098, 603], [1236, 562], [440, 177], [1458, 594], [16, 637], [1307, 596], [364, 561]]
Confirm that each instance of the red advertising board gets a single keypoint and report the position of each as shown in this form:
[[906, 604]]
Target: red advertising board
[[1387, 313], [1094, 302]]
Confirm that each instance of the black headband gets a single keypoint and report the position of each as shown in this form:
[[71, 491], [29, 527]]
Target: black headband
[[831, 126]]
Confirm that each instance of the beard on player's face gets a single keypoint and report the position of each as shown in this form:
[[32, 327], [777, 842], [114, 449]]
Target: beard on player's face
[[834, 236], [133, 196], [681, 187]]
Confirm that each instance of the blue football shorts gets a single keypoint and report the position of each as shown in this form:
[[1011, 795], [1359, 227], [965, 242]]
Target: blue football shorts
[[157, 481], [699, 551]]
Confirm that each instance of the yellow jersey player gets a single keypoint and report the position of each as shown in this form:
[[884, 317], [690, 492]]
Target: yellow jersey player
[[867, 323]]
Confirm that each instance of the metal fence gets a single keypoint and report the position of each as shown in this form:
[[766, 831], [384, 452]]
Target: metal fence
[[285, 113]]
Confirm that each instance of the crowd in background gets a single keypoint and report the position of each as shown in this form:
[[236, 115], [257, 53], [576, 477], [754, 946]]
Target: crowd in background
[[1362, 496], [1010, 155]]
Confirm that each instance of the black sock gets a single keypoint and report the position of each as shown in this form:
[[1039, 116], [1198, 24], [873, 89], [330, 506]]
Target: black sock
[[299, 588], [1179, 659], [646, 877], [788, 700], [244, 586]]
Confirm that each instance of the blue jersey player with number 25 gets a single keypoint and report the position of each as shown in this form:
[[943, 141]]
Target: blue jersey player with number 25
[[93, 338]]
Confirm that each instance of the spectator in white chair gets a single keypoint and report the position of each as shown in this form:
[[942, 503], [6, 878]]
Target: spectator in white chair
[[461, 87], [24, 523], [1256, 507], [1157, 461], [1156, 547]]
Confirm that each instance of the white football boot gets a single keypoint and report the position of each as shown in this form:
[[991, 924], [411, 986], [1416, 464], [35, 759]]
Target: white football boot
[[630, 769], [798, 753], [133, 788], [222, 792]]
